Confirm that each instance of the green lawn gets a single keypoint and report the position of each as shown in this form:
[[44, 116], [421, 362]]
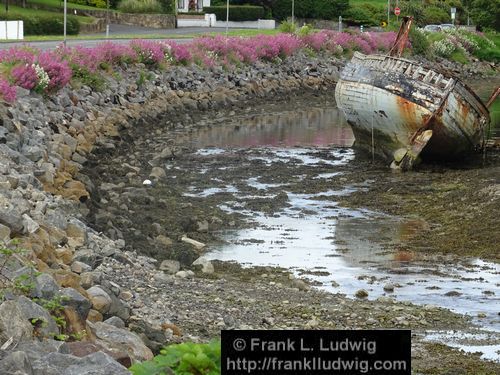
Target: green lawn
[[242, 33], [60, 4], [373, 2], [36, 12]]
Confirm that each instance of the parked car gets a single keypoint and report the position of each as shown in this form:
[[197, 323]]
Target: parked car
[[433, 28], [446, 26]]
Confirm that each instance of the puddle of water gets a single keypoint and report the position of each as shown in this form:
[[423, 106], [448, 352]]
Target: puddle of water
[[313, 127]]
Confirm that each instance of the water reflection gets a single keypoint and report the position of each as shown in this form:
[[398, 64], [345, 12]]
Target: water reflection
[[311, 127]]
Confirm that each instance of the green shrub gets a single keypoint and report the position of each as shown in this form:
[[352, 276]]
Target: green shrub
[[237, 13], [328, 9], [435, 15], [169, 6], [97, 3], [419, 42], [186, 358], [320, 9], [358, 15], [486, 13], [45, 25], [287, 27], [305, 30], [140, 6]]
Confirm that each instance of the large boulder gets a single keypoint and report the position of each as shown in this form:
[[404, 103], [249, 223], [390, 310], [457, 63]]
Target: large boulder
[[101, 301], [119, 340], [13, 323], [16, 363], [65, 364], [43, 323]]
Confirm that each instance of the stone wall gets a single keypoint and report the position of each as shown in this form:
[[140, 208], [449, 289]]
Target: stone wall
[[98, 26], [157, 21]]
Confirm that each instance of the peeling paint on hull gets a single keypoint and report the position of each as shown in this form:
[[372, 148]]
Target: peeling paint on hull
[[395, 99]]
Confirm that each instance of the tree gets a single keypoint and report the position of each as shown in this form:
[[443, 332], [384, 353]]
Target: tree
[[486, 13]]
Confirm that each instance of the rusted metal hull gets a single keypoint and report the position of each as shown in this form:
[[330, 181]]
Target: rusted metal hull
[[390, 101]]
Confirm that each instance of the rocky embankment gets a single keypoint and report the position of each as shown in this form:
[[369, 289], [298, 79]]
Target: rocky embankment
[[50, 286]]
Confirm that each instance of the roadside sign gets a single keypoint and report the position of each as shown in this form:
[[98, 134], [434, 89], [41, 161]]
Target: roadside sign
[[383, 24], [453, 12], [397, 11]]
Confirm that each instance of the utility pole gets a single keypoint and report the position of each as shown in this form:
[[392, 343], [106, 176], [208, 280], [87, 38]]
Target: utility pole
[[388, 11], [65, 21], [293, 12], [227, 18], [107, 19]]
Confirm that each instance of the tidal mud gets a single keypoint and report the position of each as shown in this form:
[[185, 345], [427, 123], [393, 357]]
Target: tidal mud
[[216, 179]]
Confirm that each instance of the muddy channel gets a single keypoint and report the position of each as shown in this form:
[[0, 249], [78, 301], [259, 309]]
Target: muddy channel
[[278, 185]]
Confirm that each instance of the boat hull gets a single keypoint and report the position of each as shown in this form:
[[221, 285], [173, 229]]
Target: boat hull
[[388, 101]]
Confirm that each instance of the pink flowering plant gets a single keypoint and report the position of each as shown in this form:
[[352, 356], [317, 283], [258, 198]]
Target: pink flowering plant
[[48, 71]]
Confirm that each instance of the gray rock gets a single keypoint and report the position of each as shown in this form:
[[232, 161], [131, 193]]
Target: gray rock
[[16, 363], [73, 298], [12, 219], [101, 301], [4, 233], [45, 287], [118, 308], [184, 274], [38, 317], [80, 267], [29, 225], [39, 349], [389, 287], [115, 321], [170, 266], [361, 293], [13, 323], [158, 173], [206, 266], [121, 340], [65, 364]]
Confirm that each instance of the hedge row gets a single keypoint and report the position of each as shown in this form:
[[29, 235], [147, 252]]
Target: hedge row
[[237, 13], [319, 9], [45, 25]]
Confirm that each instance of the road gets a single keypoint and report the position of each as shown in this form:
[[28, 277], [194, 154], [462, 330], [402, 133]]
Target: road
[[115, 31]]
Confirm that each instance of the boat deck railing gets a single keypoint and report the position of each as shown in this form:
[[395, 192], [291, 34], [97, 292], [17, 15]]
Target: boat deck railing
[[406, 67]]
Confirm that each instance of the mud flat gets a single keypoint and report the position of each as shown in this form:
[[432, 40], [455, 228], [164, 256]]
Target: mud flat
[[213, 194]]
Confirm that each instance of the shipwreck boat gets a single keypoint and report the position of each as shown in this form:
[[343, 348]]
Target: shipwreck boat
[[400, 109]]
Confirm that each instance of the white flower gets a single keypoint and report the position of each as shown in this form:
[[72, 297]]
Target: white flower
[[43, 77]]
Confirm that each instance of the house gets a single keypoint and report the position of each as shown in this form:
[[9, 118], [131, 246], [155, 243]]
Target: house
[[196, 5]]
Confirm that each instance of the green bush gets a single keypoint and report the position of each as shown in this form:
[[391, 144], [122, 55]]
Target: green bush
[[140, 6], [305, 30], [359, 15], [320, 9], [237, 13], [419, 42], [486, 13], [287, 27], [98, 3], [45, 25], [435, 15], [186, 358]]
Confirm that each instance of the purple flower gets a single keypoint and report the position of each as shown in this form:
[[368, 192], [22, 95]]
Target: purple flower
[[58, 70], [7, 92], [25, 76]]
